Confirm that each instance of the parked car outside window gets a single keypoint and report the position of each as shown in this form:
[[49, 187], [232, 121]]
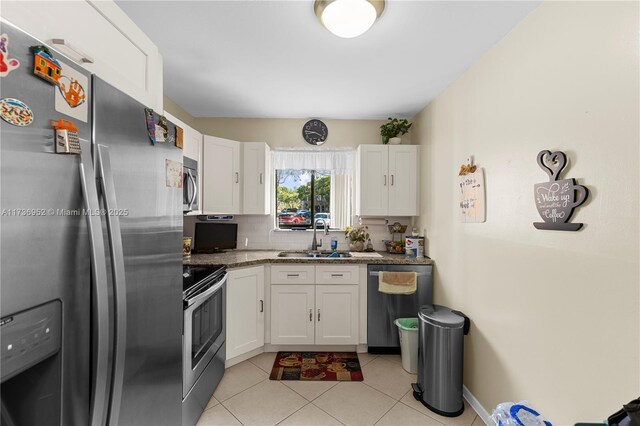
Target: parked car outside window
[[289, 219], [325, 216]]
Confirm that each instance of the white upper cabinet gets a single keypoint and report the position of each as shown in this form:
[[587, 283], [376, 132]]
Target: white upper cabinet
[[403, 180], [256, 161], [221, 176], [97, 31], [372, 179], [191, 139], [387, 180]]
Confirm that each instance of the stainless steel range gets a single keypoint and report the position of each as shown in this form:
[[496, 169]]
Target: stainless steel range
[[203, 337]]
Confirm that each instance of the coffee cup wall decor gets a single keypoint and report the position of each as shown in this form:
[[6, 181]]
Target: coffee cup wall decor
[[557, 199]]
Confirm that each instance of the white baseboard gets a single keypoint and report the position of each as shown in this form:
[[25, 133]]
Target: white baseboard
[[475, 404], [309, 348], [237, 360]]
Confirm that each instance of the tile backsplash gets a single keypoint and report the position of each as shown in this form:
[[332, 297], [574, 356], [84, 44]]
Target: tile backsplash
[[258, 233]]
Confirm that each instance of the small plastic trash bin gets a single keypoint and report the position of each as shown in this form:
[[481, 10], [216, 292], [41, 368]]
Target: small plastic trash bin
[[408, 331]]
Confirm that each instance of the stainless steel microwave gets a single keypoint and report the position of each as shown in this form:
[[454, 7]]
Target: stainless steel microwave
[[189, 185]]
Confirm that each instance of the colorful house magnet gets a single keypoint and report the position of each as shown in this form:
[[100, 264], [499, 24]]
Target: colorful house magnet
[[45, 66], [15, 112], [6, 64]]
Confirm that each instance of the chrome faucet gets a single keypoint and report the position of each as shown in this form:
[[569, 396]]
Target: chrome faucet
[[314, 242]]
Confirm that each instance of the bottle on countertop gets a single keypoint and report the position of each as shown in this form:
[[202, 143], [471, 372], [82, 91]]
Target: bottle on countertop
[[369, 246], [334, 244]]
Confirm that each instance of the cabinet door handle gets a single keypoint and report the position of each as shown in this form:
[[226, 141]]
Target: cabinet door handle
[[310, 315], [237, 177], [337, 275], [261, 305], [391, 180], [57, 42], [318, 315], [293, 275], [260, 178], [385, 180]]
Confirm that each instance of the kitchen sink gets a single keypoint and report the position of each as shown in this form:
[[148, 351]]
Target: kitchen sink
[[315, 254]]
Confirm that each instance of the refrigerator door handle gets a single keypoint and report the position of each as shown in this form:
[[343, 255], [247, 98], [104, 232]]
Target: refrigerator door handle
[[195, 190], [100, 391], [120, 286]]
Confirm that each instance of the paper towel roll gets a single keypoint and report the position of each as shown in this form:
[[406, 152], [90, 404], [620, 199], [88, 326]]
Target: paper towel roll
[[371, 221]]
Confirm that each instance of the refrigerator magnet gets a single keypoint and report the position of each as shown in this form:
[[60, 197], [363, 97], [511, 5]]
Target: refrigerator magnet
[[15, 112], [173, 174], [71, 96], [159, 133], [179, 136], [151, 126], [6, 64], [162, 129], [45, 65]]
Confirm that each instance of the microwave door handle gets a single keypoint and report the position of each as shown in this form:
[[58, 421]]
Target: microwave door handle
[[185, 184], [99, 394], [201, 296], [195, 190], [120, 286]]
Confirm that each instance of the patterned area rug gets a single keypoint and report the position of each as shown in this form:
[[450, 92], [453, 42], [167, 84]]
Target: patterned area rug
[[327, 366]]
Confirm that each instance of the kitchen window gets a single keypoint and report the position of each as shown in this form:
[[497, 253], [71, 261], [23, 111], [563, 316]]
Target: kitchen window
[[313, 186], [302, 195]]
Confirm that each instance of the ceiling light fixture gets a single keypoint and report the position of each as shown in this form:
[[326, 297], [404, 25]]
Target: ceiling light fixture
[[348, 18]]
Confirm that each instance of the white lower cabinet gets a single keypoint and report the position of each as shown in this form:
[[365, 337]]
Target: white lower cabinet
[[245, 310], [292, 312], [313, 313], [336, 314]]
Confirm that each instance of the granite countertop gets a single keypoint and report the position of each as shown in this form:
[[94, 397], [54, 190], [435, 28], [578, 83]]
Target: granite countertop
[[241, 258]]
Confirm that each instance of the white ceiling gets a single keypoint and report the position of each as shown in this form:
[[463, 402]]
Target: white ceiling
[[274, 59]]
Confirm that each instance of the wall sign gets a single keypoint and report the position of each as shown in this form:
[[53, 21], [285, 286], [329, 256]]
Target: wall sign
[[471, 183], [557, 199]]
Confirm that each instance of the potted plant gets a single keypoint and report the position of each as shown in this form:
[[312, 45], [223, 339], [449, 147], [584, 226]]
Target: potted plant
[[357, 237], [392, 130]]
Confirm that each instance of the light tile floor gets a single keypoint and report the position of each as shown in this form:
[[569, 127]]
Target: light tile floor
[[246, 396]]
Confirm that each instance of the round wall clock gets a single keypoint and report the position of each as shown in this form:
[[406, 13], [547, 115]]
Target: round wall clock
[[315, 132]]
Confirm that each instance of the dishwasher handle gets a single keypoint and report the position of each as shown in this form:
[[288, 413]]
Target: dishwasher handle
[[377, 273]]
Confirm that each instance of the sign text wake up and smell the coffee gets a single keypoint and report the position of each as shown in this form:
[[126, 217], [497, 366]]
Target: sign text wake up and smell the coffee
[[557, 199]]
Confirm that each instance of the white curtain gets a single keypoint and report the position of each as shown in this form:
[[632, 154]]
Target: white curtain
[[341, 163], [339, 160], [341, 200]]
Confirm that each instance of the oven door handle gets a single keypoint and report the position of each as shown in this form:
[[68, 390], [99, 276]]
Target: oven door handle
[[202, 296]]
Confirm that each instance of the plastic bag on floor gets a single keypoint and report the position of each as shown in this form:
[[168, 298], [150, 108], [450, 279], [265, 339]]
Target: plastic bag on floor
[[520, 414]]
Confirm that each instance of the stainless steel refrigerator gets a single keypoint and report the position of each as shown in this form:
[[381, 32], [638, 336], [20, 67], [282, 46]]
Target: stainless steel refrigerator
[[90, 253]]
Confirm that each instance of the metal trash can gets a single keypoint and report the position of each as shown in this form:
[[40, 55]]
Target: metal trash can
[[440, 357]]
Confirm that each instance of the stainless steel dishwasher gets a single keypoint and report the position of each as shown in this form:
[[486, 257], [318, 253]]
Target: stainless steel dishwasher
[[383, 309]]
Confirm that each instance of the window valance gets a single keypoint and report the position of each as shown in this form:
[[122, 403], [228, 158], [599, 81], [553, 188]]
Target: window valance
[[338, 160]]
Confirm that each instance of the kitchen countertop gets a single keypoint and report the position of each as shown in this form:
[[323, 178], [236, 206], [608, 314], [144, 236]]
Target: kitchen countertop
[[241, 258]]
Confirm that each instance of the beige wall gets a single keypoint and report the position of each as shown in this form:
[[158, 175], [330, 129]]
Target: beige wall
[[288, 132], [177, 111], [555, 315]]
